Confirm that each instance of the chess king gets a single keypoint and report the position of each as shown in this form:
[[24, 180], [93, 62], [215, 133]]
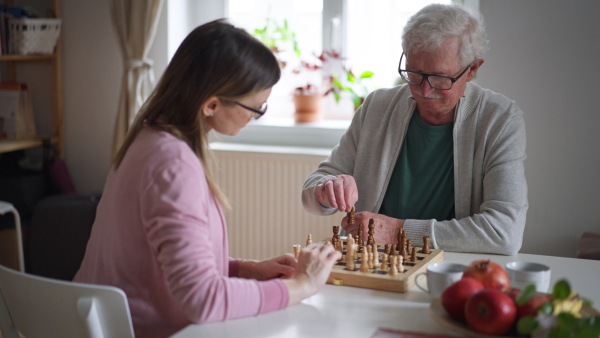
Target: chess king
[[419, 156]]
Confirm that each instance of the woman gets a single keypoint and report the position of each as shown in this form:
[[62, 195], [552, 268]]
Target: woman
[[159, 233]]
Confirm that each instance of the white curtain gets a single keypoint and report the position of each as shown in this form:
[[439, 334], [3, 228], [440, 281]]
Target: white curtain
[[135, 22]]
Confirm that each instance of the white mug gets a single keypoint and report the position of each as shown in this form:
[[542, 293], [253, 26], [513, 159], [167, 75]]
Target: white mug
[[522, 274], [440, 275]]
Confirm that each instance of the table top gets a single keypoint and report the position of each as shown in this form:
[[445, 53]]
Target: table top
[[343, 311]]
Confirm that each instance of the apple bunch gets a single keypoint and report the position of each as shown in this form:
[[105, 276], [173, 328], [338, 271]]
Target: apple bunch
[[482, 299]]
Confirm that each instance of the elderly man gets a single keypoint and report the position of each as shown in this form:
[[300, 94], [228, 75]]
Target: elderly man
[[438, 156]]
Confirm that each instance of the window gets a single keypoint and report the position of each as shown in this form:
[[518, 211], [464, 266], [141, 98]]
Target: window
[[367, 33]]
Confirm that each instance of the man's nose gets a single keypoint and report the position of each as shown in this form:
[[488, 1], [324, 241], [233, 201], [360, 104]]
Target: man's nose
[[426, 88]]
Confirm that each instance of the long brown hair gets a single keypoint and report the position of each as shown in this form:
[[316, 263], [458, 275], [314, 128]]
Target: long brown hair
[[215, 59]]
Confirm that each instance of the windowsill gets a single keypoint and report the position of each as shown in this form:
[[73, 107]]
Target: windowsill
[[285, 132]]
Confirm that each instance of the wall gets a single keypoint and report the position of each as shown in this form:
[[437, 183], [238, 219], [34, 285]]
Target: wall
[[542, 56], [92, 69]]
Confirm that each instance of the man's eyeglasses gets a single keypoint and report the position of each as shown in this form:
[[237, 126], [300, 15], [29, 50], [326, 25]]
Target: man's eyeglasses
[[435, 81], [257, 113]]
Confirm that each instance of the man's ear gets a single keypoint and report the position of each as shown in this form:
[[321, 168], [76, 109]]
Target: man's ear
[[474, 68], [210, 106]]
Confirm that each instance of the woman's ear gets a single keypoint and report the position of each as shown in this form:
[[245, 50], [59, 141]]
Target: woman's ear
[[210, 106]]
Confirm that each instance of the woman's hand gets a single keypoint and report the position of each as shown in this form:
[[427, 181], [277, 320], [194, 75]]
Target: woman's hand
[[282, 266], [340, 191], [312, 270], [386, 228]]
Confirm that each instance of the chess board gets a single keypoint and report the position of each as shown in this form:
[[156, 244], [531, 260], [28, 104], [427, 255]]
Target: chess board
[[378, 279]]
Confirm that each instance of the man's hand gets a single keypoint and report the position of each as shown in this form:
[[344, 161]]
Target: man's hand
[[386, 228], [283, 266], [340, 191]]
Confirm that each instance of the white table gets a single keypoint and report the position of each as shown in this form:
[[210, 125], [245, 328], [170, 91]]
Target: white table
[[343, 311]]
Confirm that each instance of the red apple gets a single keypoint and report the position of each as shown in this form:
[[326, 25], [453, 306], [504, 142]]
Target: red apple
[[490, 274], [491, 311], [455, 296], [531, 307]]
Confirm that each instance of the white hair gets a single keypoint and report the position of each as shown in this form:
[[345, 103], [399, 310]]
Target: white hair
[[433, 24]]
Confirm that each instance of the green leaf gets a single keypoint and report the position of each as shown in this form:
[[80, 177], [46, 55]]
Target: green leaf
[[546, 308], [586, 302], [561, 290], [366, 75], [567, 321], [527, 325], [526, 294], [357, 101], [337, 96]]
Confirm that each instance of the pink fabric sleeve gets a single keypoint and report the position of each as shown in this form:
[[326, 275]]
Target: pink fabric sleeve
[[183, 224]]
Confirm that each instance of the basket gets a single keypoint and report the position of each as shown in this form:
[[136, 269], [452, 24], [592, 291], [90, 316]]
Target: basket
[[33, 36]]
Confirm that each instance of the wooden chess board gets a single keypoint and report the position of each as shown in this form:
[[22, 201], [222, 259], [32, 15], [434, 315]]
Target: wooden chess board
[[378, 279]]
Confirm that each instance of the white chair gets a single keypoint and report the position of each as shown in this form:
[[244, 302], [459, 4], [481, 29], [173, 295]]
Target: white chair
[[43, 307], [8, 207]]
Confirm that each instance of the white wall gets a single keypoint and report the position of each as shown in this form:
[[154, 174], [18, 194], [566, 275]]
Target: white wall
[[543, 55]]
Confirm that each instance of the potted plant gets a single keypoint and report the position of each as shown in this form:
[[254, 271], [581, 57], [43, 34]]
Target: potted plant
[[307, 73]]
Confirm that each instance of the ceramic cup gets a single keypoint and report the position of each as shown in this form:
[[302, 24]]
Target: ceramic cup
[[522, 274], [440, 275]]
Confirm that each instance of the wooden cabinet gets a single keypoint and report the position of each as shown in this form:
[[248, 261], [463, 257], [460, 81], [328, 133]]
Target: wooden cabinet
[[13, 66]]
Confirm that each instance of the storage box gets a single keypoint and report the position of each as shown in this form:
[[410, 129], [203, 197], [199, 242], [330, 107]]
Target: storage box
[[33, 36]]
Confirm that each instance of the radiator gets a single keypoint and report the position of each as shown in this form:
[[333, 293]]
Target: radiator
[[264, 185]]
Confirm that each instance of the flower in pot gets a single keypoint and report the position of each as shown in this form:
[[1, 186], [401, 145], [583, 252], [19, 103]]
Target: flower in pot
[[308, 98], [344, 80]]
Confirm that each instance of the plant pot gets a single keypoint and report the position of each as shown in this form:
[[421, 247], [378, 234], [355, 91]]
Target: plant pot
[[308, 107]]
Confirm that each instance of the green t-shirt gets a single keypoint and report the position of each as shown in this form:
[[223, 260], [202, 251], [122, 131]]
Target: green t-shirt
[[422, 183]]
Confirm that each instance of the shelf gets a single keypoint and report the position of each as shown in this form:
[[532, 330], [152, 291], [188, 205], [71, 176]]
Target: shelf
[[13, 145], [32, 57]]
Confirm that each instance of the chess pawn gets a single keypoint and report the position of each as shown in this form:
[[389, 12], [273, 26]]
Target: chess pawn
[[384, 262], [400, 264], [408, 248], [393, 266], [364, 265], [350, 263], [309, 240], [297, 248], [413, 256], [386, 249], [426, 249], [369, 256]]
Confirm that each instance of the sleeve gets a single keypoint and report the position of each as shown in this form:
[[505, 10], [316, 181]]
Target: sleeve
[[176, 211], [341, 161], [496, 223]]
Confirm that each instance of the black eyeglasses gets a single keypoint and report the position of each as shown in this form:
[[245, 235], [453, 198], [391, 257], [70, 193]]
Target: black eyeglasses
[[435, 81], [257, 112]]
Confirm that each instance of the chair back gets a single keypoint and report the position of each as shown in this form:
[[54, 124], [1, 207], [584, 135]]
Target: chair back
[[44, 307]]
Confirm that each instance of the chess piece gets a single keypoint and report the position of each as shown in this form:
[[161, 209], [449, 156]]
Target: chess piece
[[393, 266], [360, 239], [371, 237], [384, 262], [386, 249], [297, 248], [403, 241], [426, 249], [400, 264], [408, 248], [350, 264], [309, 240], [364, 264], [413, 256], [351, 216], [376, 263]]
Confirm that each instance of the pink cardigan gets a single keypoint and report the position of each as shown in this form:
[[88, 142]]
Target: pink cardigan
[[160, 236]]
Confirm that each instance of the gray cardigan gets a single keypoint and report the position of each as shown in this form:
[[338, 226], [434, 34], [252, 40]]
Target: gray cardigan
[[489, 175]]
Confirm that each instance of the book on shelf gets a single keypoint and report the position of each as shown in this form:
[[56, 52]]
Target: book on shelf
[[16, 111]]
